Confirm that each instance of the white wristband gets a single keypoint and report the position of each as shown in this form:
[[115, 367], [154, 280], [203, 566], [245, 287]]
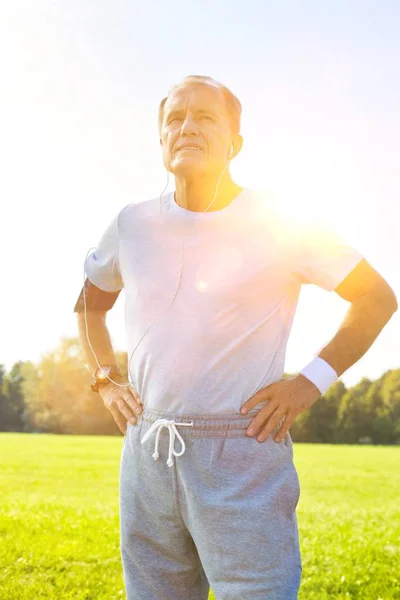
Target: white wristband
[[320, 373]]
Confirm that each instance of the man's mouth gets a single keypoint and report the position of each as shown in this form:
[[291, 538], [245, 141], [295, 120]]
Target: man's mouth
[[188, 147]]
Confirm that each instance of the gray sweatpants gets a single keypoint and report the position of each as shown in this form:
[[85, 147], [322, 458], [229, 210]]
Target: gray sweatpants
[[216, 508]]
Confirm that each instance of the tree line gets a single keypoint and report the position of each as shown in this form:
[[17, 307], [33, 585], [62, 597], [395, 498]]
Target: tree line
[[54, 396]]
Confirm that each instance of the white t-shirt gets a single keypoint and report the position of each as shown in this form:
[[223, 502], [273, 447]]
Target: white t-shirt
[[225, 334]]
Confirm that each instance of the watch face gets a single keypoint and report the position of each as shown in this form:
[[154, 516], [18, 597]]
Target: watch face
[[102, 376]]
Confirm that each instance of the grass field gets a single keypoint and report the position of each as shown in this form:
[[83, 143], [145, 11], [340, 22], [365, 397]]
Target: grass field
[[59, 519]]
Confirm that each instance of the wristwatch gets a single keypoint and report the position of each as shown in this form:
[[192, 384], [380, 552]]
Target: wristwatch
[[99, 377]]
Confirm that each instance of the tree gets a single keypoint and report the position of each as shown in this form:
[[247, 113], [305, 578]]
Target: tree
[[13, 401], [322, 422], [59, 397], [352, 415], [383, 405], [319, 423], [6, 416]]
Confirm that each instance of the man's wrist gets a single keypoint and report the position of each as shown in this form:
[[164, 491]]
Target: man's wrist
[[304, 383], [105, 367], [103, 375]]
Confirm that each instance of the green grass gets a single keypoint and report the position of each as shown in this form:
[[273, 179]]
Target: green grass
[[59, 523]]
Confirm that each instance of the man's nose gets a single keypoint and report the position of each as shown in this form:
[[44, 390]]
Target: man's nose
[[189, 125]]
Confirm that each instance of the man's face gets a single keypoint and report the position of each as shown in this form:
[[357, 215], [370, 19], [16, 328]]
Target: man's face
[[196, 132]]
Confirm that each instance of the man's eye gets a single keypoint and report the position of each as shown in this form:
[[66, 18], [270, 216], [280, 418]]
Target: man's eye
[[207, 117]]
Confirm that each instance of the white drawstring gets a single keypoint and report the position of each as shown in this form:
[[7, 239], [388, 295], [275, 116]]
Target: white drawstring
[[171, 426]]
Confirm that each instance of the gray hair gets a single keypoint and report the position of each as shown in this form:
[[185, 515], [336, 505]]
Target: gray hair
[[232, 103]]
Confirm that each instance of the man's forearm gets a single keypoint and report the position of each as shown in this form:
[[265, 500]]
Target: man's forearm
[[99, 339], [364, 320]]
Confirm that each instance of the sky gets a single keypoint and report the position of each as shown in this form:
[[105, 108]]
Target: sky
[[79, 93]]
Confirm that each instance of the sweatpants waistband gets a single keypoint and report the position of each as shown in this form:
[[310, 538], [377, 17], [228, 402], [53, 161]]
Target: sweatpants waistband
[[199, 426]]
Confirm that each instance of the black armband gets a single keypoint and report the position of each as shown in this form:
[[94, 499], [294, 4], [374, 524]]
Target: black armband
[[96, 299]]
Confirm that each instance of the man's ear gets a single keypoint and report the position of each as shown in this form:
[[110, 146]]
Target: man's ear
[[237, 144]]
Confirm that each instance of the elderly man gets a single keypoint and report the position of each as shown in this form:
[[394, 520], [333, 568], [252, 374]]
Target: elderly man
[[212, 275]]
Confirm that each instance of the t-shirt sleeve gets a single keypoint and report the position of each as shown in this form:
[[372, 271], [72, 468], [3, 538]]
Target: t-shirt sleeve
[[102, 265], [322, 256]]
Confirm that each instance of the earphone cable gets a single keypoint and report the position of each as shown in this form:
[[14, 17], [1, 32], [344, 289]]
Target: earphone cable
[[131, 383]]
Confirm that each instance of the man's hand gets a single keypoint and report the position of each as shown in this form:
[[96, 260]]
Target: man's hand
[[287, 399], [123, 403]]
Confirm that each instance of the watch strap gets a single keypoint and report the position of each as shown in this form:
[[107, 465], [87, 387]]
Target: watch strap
[[102, 382]]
